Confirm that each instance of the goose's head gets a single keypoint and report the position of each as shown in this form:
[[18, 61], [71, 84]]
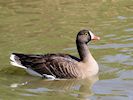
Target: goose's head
[[84, 36]]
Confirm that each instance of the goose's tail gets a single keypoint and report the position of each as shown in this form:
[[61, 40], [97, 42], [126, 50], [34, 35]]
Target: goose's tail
[[15, 61], [20, 60]]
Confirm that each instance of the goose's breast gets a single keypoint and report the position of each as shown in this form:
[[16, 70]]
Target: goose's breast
[[87, 69]]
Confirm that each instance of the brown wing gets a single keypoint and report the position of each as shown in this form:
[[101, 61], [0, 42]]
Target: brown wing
[[58, 65], [62, 67]]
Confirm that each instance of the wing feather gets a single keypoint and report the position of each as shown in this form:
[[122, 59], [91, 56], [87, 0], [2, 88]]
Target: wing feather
[[61, 66]]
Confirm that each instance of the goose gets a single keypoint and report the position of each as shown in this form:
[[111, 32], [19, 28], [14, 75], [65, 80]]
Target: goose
[[61, 66]]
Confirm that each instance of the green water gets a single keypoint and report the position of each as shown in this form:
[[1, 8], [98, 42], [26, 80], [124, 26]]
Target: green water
[[45, 26]]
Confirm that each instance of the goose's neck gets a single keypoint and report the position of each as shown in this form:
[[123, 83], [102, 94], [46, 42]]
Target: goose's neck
[[83, 51]]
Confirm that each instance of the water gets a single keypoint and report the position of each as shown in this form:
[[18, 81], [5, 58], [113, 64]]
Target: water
[[42, 26]]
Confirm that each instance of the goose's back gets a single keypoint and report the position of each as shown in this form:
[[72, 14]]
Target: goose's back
[[58, 65]]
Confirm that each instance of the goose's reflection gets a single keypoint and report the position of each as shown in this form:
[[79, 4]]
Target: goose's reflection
[[80, 88]]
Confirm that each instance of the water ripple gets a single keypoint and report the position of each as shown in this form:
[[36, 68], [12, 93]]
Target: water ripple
[[115, 45]]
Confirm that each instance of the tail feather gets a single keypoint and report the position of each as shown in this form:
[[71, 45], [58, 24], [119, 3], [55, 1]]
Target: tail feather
[[15, 61], [20, 60]]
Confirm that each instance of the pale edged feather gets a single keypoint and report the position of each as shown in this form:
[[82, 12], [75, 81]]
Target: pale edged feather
[[56, 65]]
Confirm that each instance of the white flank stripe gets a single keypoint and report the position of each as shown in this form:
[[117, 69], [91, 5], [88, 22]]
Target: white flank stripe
[[50, 77], [17, 65], [33, 73]]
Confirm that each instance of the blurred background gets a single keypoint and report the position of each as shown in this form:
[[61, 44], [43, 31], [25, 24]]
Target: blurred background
[[50, 26]]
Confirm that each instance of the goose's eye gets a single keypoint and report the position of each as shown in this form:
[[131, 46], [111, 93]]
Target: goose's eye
[[86, 33]]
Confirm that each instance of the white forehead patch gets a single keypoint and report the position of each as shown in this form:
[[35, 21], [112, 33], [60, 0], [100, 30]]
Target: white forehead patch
[[92, 35]]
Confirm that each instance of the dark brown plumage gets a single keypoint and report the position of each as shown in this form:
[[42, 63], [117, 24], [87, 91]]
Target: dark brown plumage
[[59, 65]]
